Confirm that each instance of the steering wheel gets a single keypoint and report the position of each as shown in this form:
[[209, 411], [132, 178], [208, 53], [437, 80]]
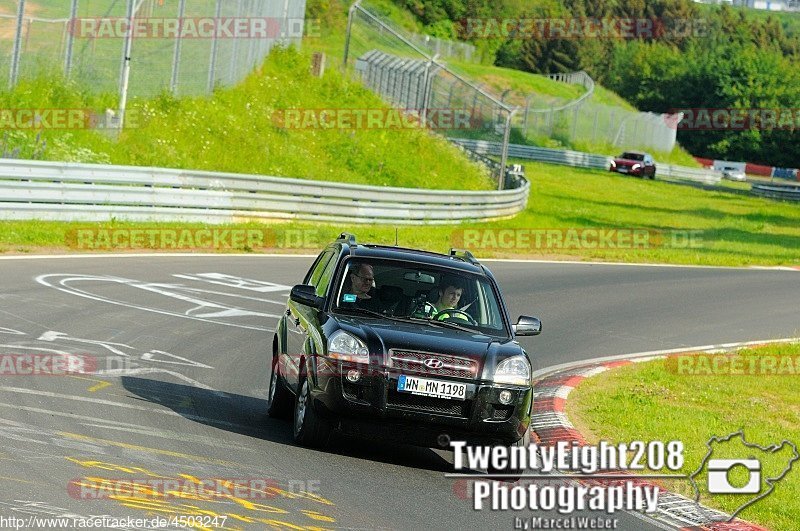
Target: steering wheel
[[450, 313]]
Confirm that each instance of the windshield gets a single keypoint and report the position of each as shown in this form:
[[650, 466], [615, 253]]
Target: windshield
[[419, 293], [632, 156]]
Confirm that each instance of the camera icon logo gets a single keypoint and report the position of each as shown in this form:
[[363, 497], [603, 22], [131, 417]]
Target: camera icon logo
[[719, 481]]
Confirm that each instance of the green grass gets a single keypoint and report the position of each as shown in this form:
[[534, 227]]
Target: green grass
[[236, 131], [734, 229], [656, 401]]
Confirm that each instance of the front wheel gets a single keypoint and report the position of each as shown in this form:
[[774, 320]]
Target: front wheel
[[512, 474], [309, 429]]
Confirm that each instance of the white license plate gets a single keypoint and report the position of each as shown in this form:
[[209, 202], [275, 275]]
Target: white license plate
[[427, 387], [622, 170]]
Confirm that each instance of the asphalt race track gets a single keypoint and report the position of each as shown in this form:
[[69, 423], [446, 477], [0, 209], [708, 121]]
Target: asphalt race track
[[183, 342]]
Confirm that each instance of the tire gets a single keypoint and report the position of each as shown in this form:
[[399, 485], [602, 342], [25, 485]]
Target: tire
[[513, 474], [279, 399], [309, 429]]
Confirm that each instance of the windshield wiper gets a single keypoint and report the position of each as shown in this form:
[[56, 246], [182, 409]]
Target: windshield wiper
[[453, 326], [373, 313]]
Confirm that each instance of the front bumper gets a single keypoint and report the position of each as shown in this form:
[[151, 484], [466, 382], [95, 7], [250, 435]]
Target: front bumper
[[373, 408]]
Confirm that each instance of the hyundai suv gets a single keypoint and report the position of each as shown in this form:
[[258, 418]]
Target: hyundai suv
[[363, 349]]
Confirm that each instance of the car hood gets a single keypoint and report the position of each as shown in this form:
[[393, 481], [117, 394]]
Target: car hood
[[381, 336], [627, 162]]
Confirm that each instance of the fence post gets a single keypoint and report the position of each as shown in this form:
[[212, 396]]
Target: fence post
[[350, 15], [176, 53], [126, 65], [71, 25], [14, 73], [525, 118], [501, 181], [428, 88], [214, 43], [574, 122], [234, 63]]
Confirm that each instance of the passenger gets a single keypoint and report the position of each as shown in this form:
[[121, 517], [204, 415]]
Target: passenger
[[362, 282]]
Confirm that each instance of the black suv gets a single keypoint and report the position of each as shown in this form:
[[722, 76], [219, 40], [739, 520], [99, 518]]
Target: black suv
[[401, 344]]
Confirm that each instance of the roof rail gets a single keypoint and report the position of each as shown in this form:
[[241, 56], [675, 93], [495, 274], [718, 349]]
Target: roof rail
[[347, 237], [464, 255]]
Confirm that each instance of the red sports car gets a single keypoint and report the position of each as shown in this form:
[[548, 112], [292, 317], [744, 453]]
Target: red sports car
[[635, 163]]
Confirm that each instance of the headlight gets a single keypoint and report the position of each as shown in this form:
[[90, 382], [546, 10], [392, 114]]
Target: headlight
[[515, 371], [636, 166], [613, 163], [344, 346]]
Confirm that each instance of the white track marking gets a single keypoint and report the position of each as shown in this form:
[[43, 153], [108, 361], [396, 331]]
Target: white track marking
[[150, 356], [52, 335], [4, 330], [140, 429], [61, 286], [230, 281], [72, 359]]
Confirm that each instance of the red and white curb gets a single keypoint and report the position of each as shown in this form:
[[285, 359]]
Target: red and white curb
[[550, 425]]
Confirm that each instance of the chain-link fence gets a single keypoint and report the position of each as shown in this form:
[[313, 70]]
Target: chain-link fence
[[460, 51], [186, 47], [413, 80], [585, 122]]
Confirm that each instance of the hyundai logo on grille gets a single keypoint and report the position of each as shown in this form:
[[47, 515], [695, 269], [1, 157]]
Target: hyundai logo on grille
[[433, 363]]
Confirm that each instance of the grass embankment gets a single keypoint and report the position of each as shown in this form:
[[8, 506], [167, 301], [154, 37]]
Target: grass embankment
[[240, 130], [659, 400], [734, 229], [547, 93]]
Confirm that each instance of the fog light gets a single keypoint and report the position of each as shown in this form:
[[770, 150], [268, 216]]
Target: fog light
[[353, 375], [505, 397]]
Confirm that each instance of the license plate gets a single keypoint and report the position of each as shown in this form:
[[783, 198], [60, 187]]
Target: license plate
[[622, 170], [435, 388]]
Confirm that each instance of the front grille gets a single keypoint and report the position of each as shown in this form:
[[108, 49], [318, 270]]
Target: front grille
[[452, 366], [442, 406]]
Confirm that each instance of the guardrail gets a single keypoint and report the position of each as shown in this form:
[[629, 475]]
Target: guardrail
[[777, 191], [580, 159], [92, 192]]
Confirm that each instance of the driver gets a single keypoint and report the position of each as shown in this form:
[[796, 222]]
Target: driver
[[449, 294]]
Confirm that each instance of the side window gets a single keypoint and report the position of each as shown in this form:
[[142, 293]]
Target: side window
[[312, 277], [324, 279]]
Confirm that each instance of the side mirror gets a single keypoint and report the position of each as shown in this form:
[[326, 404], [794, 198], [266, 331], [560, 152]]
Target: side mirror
[[527, 326], [307, 295]]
